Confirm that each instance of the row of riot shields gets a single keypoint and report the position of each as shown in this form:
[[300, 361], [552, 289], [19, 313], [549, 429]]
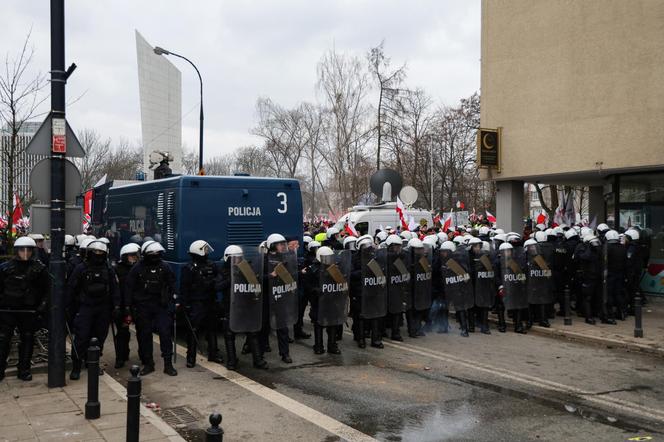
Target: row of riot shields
[[278, 272], [391, 283], [395, 282]]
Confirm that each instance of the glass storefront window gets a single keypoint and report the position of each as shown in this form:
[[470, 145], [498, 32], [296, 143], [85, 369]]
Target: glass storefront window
[[642, 188]]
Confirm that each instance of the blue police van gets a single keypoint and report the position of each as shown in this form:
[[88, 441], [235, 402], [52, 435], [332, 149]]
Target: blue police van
[[221, 210]]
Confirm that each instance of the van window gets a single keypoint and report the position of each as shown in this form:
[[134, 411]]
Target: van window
[[362, 228]]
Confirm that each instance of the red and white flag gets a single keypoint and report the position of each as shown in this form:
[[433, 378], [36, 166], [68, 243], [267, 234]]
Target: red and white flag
[[401, 210], [412, 225], [490, 217], [447, 224], [460, 205], [542, 218], [436, 219], [350, 229]]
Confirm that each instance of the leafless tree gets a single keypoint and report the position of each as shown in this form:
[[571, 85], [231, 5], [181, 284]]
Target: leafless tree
[[254, 161], [386, 78], [343, 84], [118, 161], [21, 94]]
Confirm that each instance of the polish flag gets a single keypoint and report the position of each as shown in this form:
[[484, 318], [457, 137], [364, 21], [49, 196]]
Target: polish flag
[[447, 224], [490, 217], [412, 225], [460, 205], [350, 229], [401, 210], [436, 219]]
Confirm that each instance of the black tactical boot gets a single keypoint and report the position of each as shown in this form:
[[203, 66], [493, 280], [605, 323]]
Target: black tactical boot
[[148, 367], [168, 367], [25, 349], [5, 343], [396, 330], [484, 324], [119, 363], [518, 323], [231, 356], [298, 333], [588, 312], [463, 322], [410, 324], [256, 354], [319, 349], [213, 349], [75, 374], [544, 319], [332, 346], [245, 347], [502, 325], [470, 314], [359, 333], [376, 336], [191, 349]]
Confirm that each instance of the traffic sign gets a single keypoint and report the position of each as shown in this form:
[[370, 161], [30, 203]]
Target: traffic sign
[[40, 219], [55, 133], [40, 181]]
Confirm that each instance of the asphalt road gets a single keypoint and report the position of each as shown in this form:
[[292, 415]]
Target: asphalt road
[[439, 387]]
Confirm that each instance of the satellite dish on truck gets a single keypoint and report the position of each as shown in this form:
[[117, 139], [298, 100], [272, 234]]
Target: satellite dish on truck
[[386, 184], [408, 195]]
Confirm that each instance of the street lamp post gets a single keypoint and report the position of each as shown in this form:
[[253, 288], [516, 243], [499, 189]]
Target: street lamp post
[[162, 51]]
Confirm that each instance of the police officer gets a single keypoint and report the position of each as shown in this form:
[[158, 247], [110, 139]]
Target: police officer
[[151, 292], [243, 315], [302, 295], [483, 275], [198, 290], [333, 239], [456, 282], [70, 247], [421, 280], [589, 257], [323, 254], [95, 285], [24, 291], [398, 284], [40, 252], [278, 306], [634, 264], [122, 316], [616, 272]]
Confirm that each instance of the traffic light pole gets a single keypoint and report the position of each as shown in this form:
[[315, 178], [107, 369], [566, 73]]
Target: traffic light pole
[[56, 341]]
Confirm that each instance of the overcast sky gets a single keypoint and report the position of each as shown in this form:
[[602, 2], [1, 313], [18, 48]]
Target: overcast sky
[[245, 49]]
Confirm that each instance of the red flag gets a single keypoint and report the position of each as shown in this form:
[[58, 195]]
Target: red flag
[[401, 211], [541, 218], [350, 229], [448, 222], [17, 214], [490, 217], [460, 205], [436, 219]]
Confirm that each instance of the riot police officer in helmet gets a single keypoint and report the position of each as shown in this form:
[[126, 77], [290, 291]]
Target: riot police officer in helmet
[[24, 290], [199, 297], [151, 290], [122, 316], [95, 285]]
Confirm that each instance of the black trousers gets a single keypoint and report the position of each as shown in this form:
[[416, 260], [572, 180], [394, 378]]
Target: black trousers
[[26, 323]]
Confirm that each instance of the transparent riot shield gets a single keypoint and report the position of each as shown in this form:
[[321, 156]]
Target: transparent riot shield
[[246, 292], [282, 289], [333, 299], [398, 282], [374, 282], [422, 258], [484, 280], [513, 271], [540, 275], [456, 281]]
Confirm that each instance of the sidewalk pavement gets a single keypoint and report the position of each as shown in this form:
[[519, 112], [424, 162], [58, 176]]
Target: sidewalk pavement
[[620, 335], [32, 411]]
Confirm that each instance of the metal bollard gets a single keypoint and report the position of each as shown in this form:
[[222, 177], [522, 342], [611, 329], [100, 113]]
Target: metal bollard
[[92, 406], [133, 404], [215, 433], [638, 316], [567, 307]]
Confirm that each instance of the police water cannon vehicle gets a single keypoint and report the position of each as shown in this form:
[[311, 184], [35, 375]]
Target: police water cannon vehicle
[[386, 184], [178, 210]]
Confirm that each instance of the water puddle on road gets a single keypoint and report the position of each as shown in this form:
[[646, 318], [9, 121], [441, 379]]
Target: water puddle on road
[[434, 426]]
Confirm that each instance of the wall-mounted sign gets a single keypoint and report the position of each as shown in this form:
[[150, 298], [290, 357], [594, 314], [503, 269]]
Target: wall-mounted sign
[[488, 148]]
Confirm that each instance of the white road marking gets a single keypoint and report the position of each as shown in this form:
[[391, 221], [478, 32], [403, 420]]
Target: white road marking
[[307, 413]]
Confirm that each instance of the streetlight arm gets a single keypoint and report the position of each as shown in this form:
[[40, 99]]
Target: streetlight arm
[[161, 51]]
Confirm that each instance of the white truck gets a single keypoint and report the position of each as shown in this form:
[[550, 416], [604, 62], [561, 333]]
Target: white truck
[[368, 219]]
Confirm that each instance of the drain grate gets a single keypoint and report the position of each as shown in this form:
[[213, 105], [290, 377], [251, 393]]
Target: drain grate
[[179, 416]]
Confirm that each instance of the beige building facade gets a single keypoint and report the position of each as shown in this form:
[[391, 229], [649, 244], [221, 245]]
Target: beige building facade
[[577, 87]]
